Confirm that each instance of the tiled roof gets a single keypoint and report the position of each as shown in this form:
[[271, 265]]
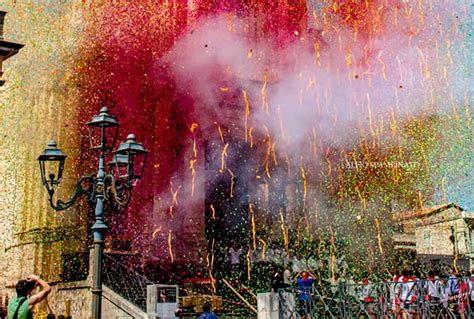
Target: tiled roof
[[425, 212]]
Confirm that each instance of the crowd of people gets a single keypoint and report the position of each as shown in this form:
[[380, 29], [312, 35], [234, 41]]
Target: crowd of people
[[404, 293]]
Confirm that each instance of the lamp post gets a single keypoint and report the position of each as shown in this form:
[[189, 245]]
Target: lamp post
[[112, 187]]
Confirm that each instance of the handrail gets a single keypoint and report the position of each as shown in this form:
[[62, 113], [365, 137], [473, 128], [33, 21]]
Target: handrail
[[125, 281]]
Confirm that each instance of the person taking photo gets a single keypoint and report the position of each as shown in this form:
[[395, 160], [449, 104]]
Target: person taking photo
[[22, 306]]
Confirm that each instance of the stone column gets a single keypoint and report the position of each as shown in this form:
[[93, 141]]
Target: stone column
[[270, 307]]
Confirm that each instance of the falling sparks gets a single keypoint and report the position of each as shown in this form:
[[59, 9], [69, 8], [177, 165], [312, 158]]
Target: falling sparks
[[210, 265], [379, 236], [213, 212], [193, 174], [249, 265], [284, 231], [328, 108], [246, 114], [156, 232], [174, 199], [263, 93], [232, 176], [333, 255], [264, 248], [223, 157], [254, 226]]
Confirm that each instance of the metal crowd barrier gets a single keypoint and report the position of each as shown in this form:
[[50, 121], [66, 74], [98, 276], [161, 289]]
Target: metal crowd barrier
[[440, 298]]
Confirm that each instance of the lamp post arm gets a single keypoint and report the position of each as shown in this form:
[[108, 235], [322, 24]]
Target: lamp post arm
[[80, 190], [118, 193]]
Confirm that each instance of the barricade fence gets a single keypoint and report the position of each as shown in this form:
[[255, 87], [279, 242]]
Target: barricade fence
[[451, 297]]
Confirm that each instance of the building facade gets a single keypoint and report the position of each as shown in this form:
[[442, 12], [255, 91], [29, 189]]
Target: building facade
[[441, 234]]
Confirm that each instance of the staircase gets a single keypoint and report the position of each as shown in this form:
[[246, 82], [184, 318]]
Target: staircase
[[125, 282]]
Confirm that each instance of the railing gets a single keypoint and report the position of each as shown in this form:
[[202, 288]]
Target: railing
[[441, 298], [125, 282]]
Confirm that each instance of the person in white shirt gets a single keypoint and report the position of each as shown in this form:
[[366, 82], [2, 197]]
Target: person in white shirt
[[287, 275], [406, 291], [234, 256]]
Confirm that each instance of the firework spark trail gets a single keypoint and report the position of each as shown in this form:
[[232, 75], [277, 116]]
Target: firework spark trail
[[213, 212], [232, 176], [379, 235], [219, 129], [223, 157], [156, 232], [210, 265], [264, 248], [170, 247], [263, 93], [249, 264], [193, 175], [174, 199], [284, 231], [246, 114], [254, 226], [332, 255]]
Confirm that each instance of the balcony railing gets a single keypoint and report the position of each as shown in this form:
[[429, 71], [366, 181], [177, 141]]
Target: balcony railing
[[441, 298]]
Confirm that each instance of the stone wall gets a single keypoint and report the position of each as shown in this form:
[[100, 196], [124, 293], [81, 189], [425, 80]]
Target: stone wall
[[38, 103], [436, 238], [433, 234]]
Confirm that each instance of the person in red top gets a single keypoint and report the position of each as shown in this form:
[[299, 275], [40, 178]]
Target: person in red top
[[406, 291], [463, 297], [393, 291]]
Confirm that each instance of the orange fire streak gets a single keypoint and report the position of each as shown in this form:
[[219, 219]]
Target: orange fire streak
[[193, 174], [213, 210], [193, 128], [220, 133], [231, 183], [317, 53], [251, 137], [267, 157], [383, 65], [349, 56], [263, 93], [174, 200], [264, 249], [284, 231], [254, 226], [247, 113], [223, 156], [210, 265], [379, 235], [170, 248], [305, 187], [333, 253], [249, 266], [153, 235], [422, 14]]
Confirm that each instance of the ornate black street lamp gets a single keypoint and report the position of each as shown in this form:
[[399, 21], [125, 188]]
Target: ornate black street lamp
[[114, 186]]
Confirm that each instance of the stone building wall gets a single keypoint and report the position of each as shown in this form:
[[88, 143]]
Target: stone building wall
[[38, 103], [435, 234]]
